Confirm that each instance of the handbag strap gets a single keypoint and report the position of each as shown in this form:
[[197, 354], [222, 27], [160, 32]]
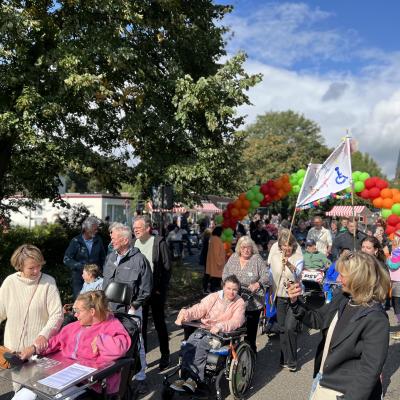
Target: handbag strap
[[328, 341], [27, 312]]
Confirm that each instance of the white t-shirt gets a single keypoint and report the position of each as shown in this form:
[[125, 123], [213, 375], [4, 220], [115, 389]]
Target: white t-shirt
[[146, 248]]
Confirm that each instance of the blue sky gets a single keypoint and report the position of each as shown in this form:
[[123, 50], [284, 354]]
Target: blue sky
[[335, 61]]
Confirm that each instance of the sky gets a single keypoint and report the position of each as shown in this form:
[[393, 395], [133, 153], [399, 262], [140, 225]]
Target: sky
[[337, 62]]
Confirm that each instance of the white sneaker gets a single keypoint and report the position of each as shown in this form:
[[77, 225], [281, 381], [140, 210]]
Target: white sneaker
[[178, 385], [190, 385]]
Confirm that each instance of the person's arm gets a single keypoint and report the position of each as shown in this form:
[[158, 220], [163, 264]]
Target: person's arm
[[375, 340], [70, 254], [110, 346], [55, 311], [227, 268], [145, 285], [201, 309], [264, 273], [3, 297]]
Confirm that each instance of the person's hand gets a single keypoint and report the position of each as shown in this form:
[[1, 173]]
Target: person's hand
[[27, 353], [181, 317], [41, 343], [294, 291], [253, 287], [94, 346], [214, 330]]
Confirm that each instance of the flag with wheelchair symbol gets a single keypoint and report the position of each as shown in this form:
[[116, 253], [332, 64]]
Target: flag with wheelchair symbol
[[333, 176]]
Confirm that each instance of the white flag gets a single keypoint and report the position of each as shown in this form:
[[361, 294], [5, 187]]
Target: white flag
[[333, 176]]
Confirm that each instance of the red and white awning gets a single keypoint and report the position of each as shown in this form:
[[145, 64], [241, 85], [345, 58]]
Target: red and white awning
[[208, 208], [178, 208], [346, 211]]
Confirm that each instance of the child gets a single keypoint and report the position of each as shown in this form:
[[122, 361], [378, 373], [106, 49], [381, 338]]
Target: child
[[91, 276]]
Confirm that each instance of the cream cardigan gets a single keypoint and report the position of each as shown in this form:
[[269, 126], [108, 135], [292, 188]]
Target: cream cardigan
[[44, 316]]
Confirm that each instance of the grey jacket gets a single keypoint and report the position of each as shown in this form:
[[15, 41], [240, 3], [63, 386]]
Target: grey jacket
[[134, 270]]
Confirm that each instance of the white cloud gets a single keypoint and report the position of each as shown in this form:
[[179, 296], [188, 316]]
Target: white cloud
[[277, 36], [369, 107]]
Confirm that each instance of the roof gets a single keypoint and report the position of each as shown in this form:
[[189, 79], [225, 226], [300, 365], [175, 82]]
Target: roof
[[347, 211], [205, 207]]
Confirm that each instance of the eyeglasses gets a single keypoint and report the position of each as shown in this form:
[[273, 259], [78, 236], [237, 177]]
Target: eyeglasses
[[78, 311]]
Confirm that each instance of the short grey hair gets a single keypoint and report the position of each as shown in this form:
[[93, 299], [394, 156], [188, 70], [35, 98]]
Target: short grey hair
[[124, 231], [89, 223], [115, 225], [145, 218], [246, 241]]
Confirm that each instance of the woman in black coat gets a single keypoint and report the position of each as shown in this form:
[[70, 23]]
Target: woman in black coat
[[355, 329]]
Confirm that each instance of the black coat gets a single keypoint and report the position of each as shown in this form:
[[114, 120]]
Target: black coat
[[161, 265], [356, 356], [345, 240]]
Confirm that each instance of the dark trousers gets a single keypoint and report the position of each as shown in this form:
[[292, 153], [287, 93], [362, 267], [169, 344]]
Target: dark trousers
[[77, 282], [194, 354], [157, 304], [287, 331], [252, 320], [215, 284]]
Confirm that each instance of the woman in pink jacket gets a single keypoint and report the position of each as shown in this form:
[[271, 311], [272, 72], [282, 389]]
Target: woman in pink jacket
[[221, 311], [95, 339]]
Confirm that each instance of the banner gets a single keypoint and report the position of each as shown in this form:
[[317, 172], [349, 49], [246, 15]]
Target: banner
[[333, 176]]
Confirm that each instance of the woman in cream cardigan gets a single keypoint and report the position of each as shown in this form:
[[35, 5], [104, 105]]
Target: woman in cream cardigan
[[30, 302]]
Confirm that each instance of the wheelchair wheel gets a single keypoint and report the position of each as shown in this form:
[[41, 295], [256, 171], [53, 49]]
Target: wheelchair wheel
[[241, 370], [167, 393]]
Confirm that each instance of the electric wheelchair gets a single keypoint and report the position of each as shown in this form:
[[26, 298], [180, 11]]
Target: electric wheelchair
[[231, 358]]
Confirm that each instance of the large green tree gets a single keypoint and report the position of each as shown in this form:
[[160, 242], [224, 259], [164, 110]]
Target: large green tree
[[282, 142], [121, 90]]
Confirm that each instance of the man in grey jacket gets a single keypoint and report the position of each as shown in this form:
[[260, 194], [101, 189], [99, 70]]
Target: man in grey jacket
[[127, 264]]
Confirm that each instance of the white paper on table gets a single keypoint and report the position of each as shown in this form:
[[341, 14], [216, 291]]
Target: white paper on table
[[67, 376]]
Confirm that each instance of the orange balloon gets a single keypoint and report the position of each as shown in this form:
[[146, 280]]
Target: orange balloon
[[243, 212], [227, 246], [238, 204], [396, 198], [395, 191], [387, 203], [378, 202], [234, 212], [285, 178], [278, 183], [246, 203], [287, 187], [242, 196], [281, 193], [391, 236], [386, 194]]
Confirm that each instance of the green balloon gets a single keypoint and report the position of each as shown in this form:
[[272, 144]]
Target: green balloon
[[300, 173], [296, 189], [396, 209], [300, 181], [293, 179], [228, 232], [359, 186], [255, 189], [219, 219], [250, 195], [255, 204], [364, 176], [356, 176], [259, 197], [348, 189], [386, 212]]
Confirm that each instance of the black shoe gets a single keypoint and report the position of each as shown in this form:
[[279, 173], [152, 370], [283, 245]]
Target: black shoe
[[164, 362], [142, 387]]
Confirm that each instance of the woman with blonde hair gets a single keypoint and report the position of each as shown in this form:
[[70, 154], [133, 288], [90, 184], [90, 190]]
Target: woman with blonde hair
[[355, 331], [252, 272], [29, 301]]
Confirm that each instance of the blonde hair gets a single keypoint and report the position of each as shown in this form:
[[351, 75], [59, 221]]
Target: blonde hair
[[286, 238], [93, 270], [245, 241], [366, 278], [95, 299], [26, 251]]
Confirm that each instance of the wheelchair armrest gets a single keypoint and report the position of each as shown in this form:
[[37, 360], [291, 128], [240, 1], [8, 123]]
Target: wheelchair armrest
[[232, 334]]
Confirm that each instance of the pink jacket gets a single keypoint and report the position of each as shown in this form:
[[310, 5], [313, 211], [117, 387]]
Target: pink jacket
[[75, 342], [214, 311]]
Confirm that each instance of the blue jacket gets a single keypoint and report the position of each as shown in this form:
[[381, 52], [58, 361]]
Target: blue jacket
[[77, 254]]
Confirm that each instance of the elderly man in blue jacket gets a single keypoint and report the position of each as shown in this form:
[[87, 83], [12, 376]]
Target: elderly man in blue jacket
[[86, 248]]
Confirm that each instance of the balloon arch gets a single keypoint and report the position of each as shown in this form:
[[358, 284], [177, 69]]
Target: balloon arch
[[374, 189]]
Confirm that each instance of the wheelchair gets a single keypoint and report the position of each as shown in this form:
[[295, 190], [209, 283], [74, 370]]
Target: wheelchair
[[234, 360], [128, 365]]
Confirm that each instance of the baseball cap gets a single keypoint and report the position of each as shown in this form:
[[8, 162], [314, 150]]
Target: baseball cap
[[310, 242]]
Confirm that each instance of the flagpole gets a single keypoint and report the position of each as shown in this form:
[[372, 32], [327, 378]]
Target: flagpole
[[352, 189]]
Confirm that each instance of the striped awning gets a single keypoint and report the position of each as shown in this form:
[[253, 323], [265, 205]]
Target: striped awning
[[346, 211], [208, 208], [178, 208]]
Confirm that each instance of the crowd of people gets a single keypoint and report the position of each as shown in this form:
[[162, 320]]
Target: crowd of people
[[269, 257]]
